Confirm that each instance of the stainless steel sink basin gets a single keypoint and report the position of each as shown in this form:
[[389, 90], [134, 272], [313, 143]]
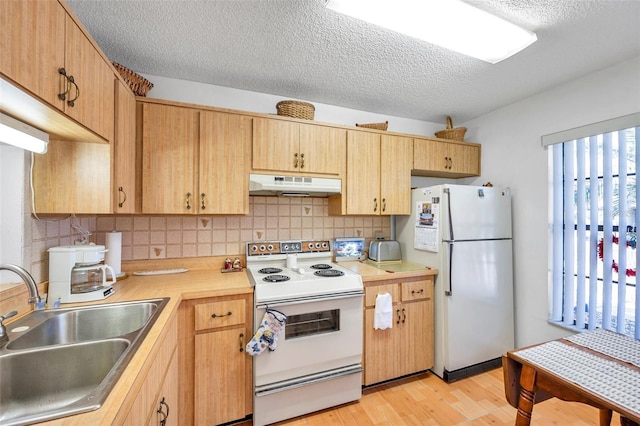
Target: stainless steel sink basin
[[68, 360], [56, 327]]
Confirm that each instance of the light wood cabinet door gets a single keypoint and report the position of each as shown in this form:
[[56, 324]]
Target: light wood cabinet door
[[220, 376], [445, 159], [382, 357], [275, 145], [169, 151], [322, 149], [225, 144], [32, 46], [167, 407], [93, 105], [73, 177], [363, 173], [395, 174], [124, 151]]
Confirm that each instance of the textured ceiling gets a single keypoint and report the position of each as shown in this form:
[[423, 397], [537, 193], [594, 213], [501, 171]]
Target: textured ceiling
[[299, 49]]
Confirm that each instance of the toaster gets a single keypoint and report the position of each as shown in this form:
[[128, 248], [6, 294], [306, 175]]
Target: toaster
[[384, 250]]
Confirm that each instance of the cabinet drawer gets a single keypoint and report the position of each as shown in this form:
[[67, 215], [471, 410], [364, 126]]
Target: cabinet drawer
[[219, 314], [417, 290], [372, 292]]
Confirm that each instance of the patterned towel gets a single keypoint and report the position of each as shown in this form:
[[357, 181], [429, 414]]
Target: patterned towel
[[267, 334]]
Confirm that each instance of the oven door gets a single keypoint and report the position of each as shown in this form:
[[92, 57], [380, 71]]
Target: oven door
[[320, 334]]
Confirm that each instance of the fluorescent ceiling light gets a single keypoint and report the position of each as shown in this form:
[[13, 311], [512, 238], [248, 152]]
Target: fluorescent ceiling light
[[17, 133], [451, 24]]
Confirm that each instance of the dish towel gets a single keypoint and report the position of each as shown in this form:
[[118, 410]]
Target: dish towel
[[383, 312], [267, 334]]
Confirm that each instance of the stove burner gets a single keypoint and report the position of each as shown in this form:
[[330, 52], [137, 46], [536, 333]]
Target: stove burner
[[329, 273], [275, 278], [321, 266], [270, 270]]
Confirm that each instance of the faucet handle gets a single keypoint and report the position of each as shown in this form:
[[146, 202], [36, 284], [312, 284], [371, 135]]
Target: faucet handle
[[8, 315]]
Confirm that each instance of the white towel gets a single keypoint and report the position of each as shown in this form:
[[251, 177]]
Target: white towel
[[383, 312]]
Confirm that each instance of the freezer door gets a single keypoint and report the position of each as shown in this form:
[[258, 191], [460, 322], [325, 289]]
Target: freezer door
[[478, 311], [476, 212]]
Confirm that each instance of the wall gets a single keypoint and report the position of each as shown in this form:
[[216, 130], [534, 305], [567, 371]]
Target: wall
[[513, 156]]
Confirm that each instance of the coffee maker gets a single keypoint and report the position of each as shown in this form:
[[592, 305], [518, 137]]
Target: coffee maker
[[76, 274]]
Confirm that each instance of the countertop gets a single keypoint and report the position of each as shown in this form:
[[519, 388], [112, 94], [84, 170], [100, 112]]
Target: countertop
[[194, 284]]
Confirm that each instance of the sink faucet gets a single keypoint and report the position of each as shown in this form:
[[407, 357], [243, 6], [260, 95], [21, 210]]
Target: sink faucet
[[34, 296]]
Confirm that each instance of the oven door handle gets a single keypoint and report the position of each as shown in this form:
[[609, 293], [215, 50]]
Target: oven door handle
[[307, 380], [287, 302]]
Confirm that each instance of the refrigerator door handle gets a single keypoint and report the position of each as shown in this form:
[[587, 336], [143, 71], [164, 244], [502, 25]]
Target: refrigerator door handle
[[446, 191], [449, 290]]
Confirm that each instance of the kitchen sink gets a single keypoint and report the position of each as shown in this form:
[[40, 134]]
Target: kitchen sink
[[61, 362], [59, 327]]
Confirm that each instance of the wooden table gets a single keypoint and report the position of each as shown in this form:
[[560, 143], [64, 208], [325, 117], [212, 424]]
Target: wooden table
[[600, 368]]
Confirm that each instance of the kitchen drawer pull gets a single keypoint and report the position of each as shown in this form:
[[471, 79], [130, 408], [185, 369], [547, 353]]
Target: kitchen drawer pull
[[417, 291], [295, 160], [71, 102], [220, 316], [121, 203], [188, 201], [375, 204], [202, 201], [63, 95], [302, 161], [398, 313], [404, 315], [241, 342]]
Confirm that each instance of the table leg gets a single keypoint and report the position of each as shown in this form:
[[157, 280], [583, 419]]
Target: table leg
[[527, 395], [605, 417]]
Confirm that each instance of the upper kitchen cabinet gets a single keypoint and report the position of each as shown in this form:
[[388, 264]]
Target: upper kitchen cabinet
[[439, 158], [286, 146], [39, 39], [378, 178], [194, 161], [169, 141], [124, 151]]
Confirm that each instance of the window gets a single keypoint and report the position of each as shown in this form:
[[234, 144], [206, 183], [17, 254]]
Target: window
[[594, 217]]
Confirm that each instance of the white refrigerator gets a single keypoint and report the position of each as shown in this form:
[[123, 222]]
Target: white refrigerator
[[465, 233]]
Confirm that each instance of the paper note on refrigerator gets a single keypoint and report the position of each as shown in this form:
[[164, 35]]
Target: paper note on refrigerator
[[426, 230]]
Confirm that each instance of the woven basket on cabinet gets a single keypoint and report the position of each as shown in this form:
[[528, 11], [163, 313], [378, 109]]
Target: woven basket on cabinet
[[377, 126], [451, 133], [296, 109], [139, 85]]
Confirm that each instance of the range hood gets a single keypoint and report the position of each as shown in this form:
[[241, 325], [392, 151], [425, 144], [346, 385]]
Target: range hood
[[293, 186]]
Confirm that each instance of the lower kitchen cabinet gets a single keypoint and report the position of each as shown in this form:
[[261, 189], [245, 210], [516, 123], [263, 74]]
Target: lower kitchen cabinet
[[407, 347], [216, 381], [157, 399]]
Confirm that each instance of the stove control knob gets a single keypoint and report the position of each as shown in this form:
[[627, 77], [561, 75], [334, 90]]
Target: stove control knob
[[324, 245], [317, 245], [254, 248], [262, 247], [310, 246], [270, 247], [286, 247]]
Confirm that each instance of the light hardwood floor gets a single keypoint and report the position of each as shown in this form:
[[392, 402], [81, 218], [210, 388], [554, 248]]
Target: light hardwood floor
[[427, 400]]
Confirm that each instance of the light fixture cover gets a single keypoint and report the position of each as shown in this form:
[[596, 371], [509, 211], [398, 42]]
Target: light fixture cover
[[451, 24], [17, 133]]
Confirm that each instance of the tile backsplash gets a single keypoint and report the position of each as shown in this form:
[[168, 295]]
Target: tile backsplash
[[160, 237]]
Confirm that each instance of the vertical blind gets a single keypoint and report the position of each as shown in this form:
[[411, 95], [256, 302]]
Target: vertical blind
[[594, 215]]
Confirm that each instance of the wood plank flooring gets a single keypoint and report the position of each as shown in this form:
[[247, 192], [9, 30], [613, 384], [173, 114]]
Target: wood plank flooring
[[427, 400]]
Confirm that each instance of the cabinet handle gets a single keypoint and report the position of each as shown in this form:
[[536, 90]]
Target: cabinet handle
[[295, 160], [202, 201], [404, 315], [121, 190], [63, 96], [375, 204], [384, 204], [419, 292], [71, 102], [188, 201], [302, 161], [241, 342], [220, 316], [160, 411], [398, 313]]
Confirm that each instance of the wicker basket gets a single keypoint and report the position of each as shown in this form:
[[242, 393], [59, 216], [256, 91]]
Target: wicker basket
[[456, 134], [296, 109], [138, 84], [377, 126]]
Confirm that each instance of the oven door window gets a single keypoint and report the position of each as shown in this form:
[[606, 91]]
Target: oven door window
[[312, 323]]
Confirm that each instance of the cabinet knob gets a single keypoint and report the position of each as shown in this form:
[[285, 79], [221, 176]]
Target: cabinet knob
[[202, 205], [404, 315], [295, 160], [384, 204], [71, 102], [302, 160], [124, 194], [417, 291], [241, 342], [63, 96], [161, 412], [220, 316], [375, 204], [398, 313], [188, 201]]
